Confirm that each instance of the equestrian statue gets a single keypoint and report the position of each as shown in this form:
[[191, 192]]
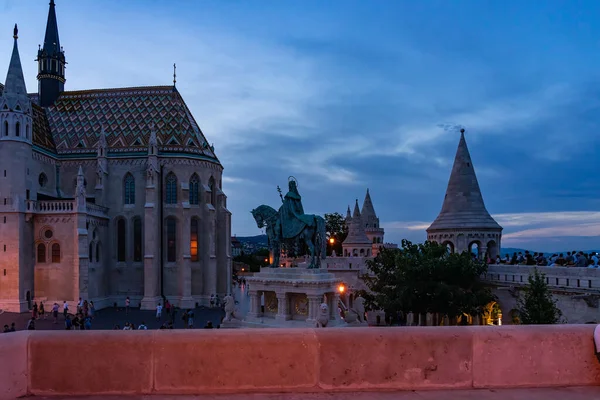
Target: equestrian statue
[[290, 226]]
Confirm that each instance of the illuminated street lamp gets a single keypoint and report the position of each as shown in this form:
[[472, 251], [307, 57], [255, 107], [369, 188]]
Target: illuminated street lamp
[[331, 240], [341, 288]]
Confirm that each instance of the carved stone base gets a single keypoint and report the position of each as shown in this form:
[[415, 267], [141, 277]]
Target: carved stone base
[[233, 324]]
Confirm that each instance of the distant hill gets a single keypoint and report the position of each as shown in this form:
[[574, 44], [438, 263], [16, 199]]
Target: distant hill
[[258, 239]]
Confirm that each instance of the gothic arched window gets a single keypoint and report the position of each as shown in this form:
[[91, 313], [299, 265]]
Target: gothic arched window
[[129, 189], [56, 253], [194, 189], [121, 240], [171, 239], [213, 191], [17, 129], [194, 239], [171, 189], [5, 128], [137, 239], [41, 253], [90, 255], [98, 252]]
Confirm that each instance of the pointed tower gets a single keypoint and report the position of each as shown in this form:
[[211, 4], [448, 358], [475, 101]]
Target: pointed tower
[[372, 229], [15, 159], [464, 223], [51, 63], [348, 216], [356, 244]]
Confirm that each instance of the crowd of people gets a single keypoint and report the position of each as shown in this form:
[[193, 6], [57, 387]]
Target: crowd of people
[[572, 259], [84, 315]]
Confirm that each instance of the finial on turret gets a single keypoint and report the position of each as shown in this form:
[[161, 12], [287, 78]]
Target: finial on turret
[[16, 32], [52, 2], [462, 131], [174, 74]]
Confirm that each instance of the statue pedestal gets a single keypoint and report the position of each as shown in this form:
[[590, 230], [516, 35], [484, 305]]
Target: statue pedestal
[[293, 297], [233, 324]]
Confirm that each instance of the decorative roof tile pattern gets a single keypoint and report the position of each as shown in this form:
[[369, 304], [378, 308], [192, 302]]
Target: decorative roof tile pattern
[[42, 135], [127, 115]]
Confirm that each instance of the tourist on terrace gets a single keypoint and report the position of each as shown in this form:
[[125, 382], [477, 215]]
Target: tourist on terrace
[[6, 329], [581, 260], [595, 258], [87, 323], [13, 327], [208, 325], [142, 327], [498, 260], [55, 312], [158, 312], [92, 310], [31, 324], [127, 303], [68, 322], [41, 311], [65, 309], [34, 311], [168, 307], [190, 322]]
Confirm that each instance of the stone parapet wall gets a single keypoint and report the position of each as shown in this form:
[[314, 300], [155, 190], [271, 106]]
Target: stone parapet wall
[[576, 278], [295, 360]]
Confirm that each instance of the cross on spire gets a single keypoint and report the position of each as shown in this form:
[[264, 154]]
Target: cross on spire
[[174, 74]]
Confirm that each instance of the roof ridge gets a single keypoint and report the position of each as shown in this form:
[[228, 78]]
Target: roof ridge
[[86, 91]]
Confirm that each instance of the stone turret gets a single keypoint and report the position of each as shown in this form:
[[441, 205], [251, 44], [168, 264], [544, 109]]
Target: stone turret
[[356, 244], [464, 221], [371, 223]]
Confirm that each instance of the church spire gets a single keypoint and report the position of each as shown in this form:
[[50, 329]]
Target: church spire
[[15, 92], [356, 213], [51, 62], [51, 39], [463, 203], [367, 209]]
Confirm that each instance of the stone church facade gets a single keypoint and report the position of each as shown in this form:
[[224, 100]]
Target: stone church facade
[[106, 193]]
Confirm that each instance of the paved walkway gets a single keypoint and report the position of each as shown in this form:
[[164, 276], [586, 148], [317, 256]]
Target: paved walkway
[[109, 317], [575, 393]]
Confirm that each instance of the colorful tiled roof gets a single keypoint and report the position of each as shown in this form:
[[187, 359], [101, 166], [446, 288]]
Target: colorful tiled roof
[[77, 118], [42, 135]]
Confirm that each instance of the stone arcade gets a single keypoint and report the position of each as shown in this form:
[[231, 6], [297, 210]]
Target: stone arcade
[[106, 193]]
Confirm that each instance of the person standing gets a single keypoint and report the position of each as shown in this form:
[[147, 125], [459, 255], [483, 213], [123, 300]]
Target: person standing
[[31, 324], [158, 312], [55, 312], [41, 311], [127, 304], [65, 309]]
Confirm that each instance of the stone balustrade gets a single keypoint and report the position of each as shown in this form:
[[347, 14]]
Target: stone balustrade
[[63, 207], [50, 206], [96, 210], [295, 360], [575, 278]]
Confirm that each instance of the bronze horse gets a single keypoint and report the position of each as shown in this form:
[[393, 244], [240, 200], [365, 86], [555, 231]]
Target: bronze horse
[[312, 234]]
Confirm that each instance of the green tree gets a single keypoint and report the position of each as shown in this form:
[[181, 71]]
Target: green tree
[[423, 278], [537, 306], [335, 225]]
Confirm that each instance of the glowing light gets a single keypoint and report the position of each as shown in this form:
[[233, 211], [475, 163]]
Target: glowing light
[[331, 240], [341, 288], [266, 260]]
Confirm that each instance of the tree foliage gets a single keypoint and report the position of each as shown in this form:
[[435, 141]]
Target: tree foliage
[[335, 225], [423, 278], [537, 306]]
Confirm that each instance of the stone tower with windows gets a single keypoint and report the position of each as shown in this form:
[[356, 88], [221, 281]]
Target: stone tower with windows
[[16, 266], [356, 244], [464, 223], [371, 223]]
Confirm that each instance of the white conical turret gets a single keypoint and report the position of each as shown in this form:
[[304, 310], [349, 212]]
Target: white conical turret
[[15, 106]]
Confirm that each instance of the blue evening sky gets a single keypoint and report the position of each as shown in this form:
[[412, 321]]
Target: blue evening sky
[[349, 95]]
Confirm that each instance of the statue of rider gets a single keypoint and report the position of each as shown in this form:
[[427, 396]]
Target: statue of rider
[[292, 212]]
